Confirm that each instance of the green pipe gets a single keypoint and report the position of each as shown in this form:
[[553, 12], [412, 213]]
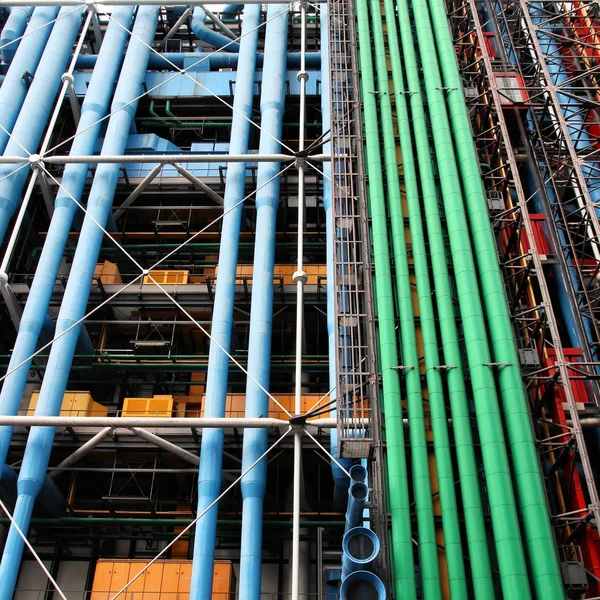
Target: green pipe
[[530, 485], [156, 115], [439, 423], [397, 478], [481, 573], [428, 550], [507, 531]]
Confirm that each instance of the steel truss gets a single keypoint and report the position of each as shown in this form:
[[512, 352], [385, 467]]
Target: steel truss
[[555, 383]]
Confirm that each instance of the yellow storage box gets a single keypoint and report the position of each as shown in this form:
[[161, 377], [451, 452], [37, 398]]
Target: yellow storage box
[[107, 273], [167, 277], [157, 406], [74, 404]]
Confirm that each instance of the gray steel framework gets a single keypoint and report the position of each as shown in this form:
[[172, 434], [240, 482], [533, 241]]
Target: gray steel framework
[[525, 269]]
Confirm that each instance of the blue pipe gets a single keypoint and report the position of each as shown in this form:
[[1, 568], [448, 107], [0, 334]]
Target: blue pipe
[[232, 9], [218, 60], [340, 478], [211, 453], [360, 548], [358, 493], [261, 310], [13, 30], [34, 115], [32, 324], [362, 585], [73, 308], [211, 37], [26, 59]]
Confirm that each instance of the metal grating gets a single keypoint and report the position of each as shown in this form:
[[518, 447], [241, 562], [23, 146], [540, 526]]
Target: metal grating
[[353, 309]]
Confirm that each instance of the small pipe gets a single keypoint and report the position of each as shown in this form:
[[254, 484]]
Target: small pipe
[[82, 451]]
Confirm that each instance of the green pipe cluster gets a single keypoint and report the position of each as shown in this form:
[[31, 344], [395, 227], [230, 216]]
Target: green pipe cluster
[[428, 63]]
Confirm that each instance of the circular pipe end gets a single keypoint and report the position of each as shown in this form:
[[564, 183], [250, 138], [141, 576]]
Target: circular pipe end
[[360, 546], [358, 473], [362, 585]]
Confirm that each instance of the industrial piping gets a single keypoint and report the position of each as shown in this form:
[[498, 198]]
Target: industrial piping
[[213, 38], [13, 30], [399, 505], [261, 312], [26, 59], [530, 486], [73, 180], [209, 477], [31, 122], [481, 573], [39, 445]]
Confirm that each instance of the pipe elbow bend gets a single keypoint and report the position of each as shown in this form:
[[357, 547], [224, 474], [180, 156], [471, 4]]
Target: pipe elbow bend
[[213, 38]]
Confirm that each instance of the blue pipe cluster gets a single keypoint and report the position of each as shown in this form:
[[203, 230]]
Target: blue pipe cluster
[[360, 545], [35, 112], [25, 60], [35, 313], [261, 310], [211, 452], [39, 444]]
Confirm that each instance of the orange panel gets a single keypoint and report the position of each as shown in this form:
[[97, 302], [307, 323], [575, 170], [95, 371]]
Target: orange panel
[[153, 581], [222, 580], [170, 581], [120, 576], [185, 580], [101, 585], [136, 589]]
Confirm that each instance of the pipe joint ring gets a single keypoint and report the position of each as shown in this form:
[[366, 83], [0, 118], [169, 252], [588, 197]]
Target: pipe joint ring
[[3, 279], [68, 78], [299, 276], [302, 76]]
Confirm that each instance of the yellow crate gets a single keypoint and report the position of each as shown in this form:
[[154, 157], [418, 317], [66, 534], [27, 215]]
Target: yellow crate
[[74, 404], [157, 406], [163, 580], [108, 273], [167, 277]]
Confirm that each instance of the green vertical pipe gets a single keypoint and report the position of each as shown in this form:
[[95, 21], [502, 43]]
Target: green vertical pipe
[[530, 485], [507, 534], [472, 507], [420, 460], [481, 573], [399, 504]]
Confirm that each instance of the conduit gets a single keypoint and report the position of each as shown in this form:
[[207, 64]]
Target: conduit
[[419, 451], [33, 117], [472, 507], [428, 552], [211, 452], [26, 59], [73, 181], [532, 496], [13, 30], [340, 479], [211, 37], [397, 478], [39, 444], [259, 349], [506, 526]]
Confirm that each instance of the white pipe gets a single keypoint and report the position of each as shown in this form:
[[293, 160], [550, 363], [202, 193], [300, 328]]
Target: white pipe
[[181, 422], [166, 445], [80, 452]]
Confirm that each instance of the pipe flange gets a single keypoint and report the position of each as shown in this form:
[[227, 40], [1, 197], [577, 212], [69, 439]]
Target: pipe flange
[[302, 76], [68, 78], [299, 276], [35, 161]]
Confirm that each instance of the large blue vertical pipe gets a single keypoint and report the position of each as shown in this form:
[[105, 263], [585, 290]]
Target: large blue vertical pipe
[[39, 444], [94, 108], [209, 477], [261, 311], [211, 37], [26, 59], [340, 479], [34, 115], [13, 29]]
